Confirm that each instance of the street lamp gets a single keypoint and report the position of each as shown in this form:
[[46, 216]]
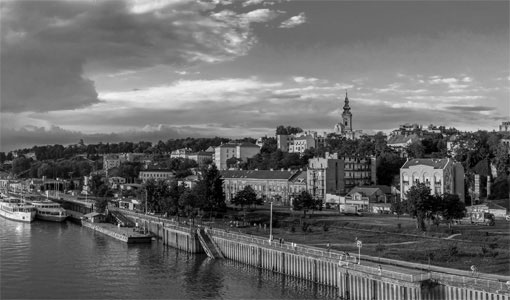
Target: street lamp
[[359, 244], [271, 223]]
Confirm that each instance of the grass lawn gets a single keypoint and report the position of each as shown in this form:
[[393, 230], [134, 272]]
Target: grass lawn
[[487, 247]]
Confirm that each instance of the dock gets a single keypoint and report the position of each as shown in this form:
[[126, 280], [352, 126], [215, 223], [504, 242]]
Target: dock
[[125, 234]]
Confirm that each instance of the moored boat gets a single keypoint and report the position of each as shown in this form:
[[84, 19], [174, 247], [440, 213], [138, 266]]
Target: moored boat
[[14, 209], [49, 211]]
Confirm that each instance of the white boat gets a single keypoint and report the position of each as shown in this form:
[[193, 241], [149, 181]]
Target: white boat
[[49, 211], [14, 209]]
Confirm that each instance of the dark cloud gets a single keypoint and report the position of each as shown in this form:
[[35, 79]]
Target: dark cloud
[[47, 44], [30, 136], [469, 108]]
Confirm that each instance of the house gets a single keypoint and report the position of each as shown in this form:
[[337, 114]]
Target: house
[[442, 176], [95, 217], [364, 196]]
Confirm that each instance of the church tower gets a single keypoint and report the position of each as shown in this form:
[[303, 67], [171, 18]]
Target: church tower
[[347, 115]]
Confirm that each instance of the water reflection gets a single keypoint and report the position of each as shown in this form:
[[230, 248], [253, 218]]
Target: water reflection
[[66, 261]]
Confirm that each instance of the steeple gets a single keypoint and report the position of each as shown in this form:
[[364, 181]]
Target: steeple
[[346, 105]]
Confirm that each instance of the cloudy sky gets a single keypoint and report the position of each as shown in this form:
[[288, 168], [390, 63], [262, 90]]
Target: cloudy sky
[[153, 69]]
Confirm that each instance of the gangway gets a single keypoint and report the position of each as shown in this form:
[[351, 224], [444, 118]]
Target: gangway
[[121, 219], [208, 244]]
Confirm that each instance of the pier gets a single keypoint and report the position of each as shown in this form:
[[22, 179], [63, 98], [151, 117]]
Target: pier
[[124, 234]]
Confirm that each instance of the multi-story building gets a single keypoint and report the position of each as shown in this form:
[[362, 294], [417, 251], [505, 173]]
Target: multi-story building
[[299, 142], [441, 175], [505, 126], [157, 174], [241, 151], [270, 185], [333, 175]]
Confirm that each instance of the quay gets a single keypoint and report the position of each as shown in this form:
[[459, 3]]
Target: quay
[[125, 234], [372, 278]]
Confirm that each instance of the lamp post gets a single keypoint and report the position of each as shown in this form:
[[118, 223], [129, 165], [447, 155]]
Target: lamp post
[[359, 244], [271, 223]]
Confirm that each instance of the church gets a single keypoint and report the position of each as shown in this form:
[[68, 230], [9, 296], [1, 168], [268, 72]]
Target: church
[[344, 128]]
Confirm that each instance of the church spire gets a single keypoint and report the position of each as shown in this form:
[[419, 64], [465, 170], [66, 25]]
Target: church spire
[[346, 105]]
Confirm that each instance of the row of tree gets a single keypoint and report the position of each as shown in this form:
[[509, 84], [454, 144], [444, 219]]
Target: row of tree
[[173, 199], [424, 206]]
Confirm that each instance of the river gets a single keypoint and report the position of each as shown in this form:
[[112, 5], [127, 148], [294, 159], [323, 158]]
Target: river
[[45, 260]]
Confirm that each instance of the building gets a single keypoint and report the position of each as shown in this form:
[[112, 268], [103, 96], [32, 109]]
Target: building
[[505, 126], [408, 129], [201, 157], [279, 186], [180, 153], [441, 175], [400, 142], [299, 142], [240, 151], [363, 197], [157, 174], [344, 127], [111, 161], [333, 175]]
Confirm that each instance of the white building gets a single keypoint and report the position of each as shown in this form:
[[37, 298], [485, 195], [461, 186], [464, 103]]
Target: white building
[[441, 175], [241, 151], [299, 142]]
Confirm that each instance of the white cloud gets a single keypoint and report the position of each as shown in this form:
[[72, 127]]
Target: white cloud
[[294, 21], [252, 2], [259, 15], [301, 79]]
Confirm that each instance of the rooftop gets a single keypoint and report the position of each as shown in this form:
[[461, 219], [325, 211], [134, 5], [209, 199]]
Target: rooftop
[[258, 174], [436, 163]]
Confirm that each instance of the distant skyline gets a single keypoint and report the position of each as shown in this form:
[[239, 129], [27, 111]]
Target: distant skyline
[[155, 70]]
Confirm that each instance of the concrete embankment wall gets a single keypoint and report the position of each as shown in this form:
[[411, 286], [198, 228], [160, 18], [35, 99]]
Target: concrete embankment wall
[[182, 237], [352, 281]]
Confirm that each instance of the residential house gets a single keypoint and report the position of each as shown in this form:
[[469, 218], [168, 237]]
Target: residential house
[[442, 176]]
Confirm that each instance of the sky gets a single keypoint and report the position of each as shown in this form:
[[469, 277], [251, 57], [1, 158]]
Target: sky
[[154, 70]]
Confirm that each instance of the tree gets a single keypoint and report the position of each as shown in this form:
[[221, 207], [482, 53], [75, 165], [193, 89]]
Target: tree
[[246, 196], [397, 207], [415, 150], [452, 208], [388, 167], [282, 130], [303, 201], [209, 189], [418, 204], [190, 202]]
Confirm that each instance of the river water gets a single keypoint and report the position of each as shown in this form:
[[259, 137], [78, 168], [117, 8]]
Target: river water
[[45, 260]]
